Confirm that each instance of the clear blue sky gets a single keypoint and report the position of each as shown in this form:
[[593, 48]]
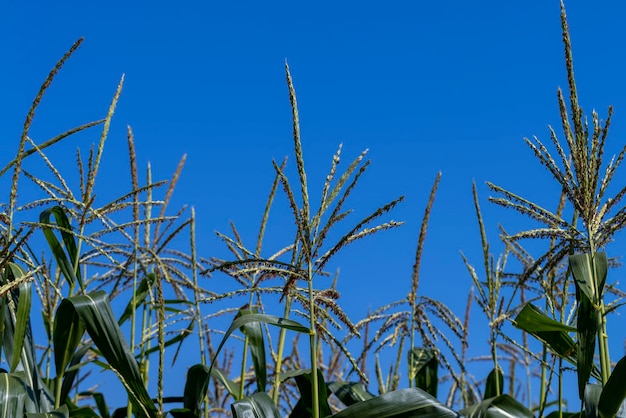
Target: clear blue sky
[[426, 86]]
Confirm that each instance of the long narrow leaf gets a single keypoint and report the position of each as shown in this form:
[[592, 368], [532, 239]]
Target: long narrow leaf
[[404, 403], [256, 341], [95, 312], [614, 392], [67, 266]]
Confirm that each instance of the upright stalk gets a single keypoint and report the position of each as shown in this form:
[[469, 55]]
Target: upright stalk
[[603, 339], [279, 356]]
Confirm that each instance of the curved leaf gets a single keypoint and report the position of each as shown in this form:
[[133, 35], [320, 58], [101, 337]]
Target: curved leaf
[[61, 412], [424, 367], [304, 406], [503, 406], [195, 387], [256, 341], [405, 403], [268, 319], [67, 266], [258, 405], [495, 383], [614, 392], [350, 393], [94, 310]]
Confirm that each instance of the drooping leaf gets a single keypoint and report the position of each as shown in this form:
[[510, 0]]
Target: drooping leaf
[[424, 366], [101, 404], [258, 405], [554, 333], [350, 392], [268, 319], [256, 342], [494, 386], [66, 265], [403, 403], [94, 310], [231, 387], [614, 392], [142, 292], [503, 406], [67, 334]]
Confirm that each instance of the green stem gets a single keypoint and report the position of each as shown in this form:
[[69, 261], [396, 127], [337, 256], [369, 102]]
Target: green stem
[[543, 393], [603, 339], [244, 361]]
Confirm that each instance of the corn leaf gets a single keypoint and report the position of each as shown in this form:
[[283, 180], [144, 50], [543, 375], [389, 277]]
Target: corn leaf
[[12, 396], [304, 406], [23, 313], [590, 282], [424, 366], [258, 405], [256, 341], [268, 319], [142, 292], [503, 406], [61, 412], [350, 392], [495, 383], [67, 266], [554, 333], [614, 392], [94, 310], [404, 403]]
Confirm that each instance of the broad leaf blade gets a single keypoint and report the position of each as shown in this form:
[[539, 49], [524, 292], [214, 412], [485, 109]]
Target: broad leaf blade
[[95, 312], [423, 363], [503, 406], [268, 319], [405, 403], [12, 396], [196, 387], [554, 333], [258, 405], [495, 384], [304, 406], [350, 392], [614, 392]]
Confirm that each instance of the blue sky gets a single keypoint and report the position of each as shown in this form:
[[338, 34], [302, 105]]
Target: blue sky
[[426, 86]]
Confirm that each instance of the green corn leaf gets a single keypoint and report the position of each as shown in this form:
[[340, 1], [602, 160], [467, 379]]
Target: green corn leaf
[[12, 396], [495, 384], [61, 412], [256, 341], [614, 392], [403, 403], [23, 314], [67, 266], [304, 406], [196, 387], [258, 405], [101, 404], [503, 406], [586, 347], [268, 319], [231, 387], [70, 373], [424, 367], [591, 283], [67, 334], [554, 333], [350, 393], [142, 292], [94, 310]]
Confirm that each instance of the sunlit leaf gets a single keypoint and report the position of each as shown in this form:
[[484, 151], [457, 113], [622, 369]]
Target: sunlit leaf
[[503, 406], [614, 392], [403, 403], [350, 392], [424, 366], [258, 405]]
